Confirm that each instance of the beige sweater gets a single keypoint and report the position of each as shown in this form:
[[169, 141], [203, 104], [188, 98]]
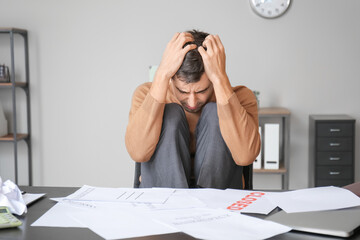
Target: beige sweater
[[238, 121]]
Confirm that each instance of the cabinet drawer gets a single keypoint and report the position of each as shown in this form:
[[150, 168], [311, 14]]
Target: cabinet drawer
[[335, 144], [337, 183], [335, 129], [334, 172], [334, 158]]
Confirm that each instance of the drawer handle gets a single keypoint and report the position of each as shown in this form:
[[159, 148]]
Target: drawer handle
[[335, 129], [334, 173], [334, 158], [335, 144]]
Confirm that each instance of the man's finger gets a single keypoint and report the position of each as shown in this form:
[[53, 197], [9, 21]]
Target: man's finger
[[182, 39], [187, 34], [176, 35], [188, 39], [218, 42], [184, 35], [179, 35], [189, 47], [202, 51], [208, 44]]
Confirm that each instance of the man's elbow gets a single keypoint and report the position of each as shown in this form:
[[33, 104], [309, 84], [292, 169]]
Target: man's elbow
[[247, 158], [138, 156]]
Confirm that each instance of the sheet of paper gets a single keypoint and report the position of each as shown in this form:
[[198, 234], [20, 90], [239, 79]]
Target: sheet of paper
[[180, 199], [219, 224], [57, 216], [32, 197], [234, 200], [248, 201], [314, 199], [136, 195], [60, 214], [121, 224]]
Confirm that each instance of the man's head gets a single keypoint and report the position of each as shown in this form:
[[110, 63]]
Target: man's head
[[192, 67], [191, 85]]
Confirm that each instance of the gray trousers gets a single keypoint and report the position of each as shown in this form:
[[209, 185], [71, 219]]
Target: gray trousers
[[170, 165]]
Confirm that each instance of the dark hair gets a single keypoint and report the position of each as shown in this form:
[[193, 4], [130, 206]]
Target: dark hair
[[192, 67]]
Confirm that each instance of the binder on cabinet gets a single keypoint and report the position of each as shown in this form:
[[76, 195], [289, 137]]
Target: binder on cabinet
[[271, 145]]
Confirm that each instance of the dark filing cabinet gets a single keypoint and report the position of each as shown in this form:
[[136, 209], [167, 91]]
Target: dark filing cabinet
[[331, 150]]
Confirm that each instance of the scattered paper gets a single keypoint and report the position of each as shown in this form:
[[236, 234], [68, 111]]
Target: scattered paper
[[180, 199], [121, 224], [11, 197], [58, 216], [219, 224], [234, 200], [314, 199], [201, 213], [249, 201], [136, 195], [32, 197]]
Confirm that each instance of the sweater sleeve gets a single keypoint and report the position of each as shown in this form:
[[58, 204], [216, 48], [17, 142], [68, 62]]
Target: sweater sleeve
[[144, 126], [239, 126]]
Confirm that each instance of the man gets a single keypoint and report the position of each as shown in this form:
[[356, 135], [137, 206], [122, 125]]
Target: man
[[189, 127]]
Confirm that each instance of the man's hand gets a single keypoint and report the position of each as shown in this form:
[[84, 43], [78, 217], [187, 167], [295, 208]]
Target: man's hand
[[171, 61], [214, 63], [214, 58], [174, 54]]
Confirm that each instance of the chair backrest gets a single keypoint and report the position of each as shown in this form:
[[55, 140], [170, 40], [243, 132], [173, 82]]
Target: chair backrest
[[248, 177], [137, 175], [247, 173]]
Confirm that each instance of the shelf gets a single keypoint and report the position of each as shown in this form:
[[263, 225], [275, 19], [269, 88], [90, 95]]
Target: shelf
[[15, 137], [271, 111], [280, 116], [9, 84], [281, 170], [10, 137], [14, 30]]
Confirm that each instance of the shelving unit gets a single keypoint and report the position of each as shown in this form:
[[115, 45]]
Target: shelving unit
[[282, 117], [15, 137]]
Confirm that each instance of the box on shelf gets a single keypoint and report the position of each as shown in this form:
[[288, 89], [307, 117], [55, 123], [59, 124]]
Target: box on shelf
[[271, 146], [3, 123], [257, 163]]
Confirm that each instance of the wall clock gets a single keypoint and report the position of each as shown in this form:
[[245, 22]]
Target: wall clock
[[270, 8]]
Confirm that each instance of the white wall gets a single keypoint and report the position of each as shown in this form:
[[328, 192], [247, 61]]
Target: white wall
[[88, 56]]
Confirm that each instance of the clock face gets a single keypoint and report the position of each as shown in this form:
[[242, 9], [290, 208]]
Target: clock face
[[270, 8]]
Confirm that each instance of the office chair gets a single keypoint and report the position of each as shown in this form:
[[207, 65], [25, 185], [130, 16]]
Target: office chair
[[247, 173]]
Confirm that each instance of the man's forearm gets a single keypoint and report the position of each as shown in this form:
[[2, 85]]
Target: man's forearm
[[239, 129], [159, 86], [144, 126], [223, 90]]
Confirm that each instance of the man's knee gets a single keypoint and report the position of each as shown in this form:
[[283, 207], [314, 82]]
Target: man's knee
[[210, 106], [173, 115], [209, 114], [210, 109]]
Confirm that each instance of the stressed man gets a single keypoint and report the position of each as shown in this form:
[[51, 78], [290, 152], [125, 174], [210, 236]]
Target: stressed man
[[190, 127]]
